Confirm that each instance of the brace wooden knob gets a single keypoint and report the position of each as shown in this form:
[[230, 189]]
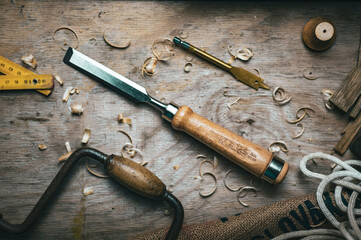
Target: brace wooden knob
[[239, 150], [319, 34]]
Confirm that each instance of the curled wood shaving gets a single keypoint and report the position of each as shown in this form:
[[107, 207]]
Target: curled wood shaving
[[301, 132], [122, 119], [283, 99], [277, 146], [77, 91], [86, 136], [189, 57], [170, 188], [58, 79], [67, 146], [160, 49], [239, 194], [149, 66], [215, 162], [298, 119], [115, 45], [230, 104], [307, 73], [226, 94], [244, 54], [183, 35], [175, 167], [231, 60], [228, 187], [304, 109], [168, 211], [29, 60], [65, 43], [77, 109], [93, 172], [42, 147], [329, 105], [187, 67], [328, 93], [205, 161], [64, 157], [72, 91], [257, 71], [202, 193], [88, 191], [126, 134], [66, 94], [201, 156], [131, 151]]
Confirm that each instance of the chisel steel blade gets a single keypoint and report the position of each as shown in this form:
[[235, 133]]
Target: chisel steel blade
[[107, 76]]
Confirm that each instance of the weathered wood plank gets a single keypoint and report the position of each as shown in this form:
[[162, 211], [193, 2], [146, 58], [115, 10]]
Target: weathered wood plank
[[272, 30]]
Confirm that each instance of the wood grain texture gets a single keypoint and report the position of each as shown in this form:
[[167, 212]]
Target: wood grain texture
[[272, 30], [349, 133]]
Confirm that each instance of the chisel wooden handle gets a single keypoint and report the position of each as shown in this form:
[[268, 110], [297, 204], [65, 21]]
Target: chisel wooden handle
[[239, 150]]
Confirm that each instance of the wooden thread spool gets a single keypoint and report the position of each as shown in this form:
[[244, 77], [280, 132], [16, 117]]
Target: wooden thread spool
[[319, 34]]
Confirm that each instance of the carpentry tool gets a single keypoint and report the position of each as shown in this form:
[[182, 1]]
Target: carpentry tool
[[239, 73], [242, 152], [17, 77], [126, 172]]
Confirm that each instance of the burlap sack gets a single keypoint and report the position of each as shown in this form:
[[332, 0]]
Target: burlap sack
[[262, 223]]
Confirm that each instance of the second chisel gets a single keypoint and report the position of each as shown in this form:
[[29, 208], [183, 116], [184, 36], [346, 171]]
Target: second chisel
[[239, 150]]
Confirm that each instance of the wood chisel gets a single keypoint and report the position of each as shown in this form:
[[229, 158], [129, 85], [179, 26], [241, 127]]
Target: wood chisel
[[239, 73], [242, 152]]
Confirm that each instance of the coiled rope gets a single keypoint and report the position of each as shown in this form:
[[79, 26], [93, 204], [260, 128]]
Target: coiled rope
[[343, 176]]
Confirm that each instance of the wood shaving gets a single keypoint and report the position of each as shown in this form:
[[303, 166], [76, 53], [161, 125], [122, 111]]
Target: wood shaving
[[307, 73], [227, 186], [72, 91], [189, 57], [231, 60], [257, 71], [201, 156], [229, 105], [64, 157], [29, 60], [122, 119], [201, 191], [284, 97], [160, 49], [226, 94], [187, 67], [170, 188], [66, 94], [298, 119], [328, 93], [183, 35], [301, 132], [149, 66], [239, 196], [42, 147], [168, 211], [126, 134], [116, 45], [77, 109], [65, 43], [58, 79], [88, 191], [131, 151], [93, 172], [144, 163], [67, 146], [215, 162], [200, 167], [244, 54], [305, 109], [77, 91], [329, 105], [277, 146], [86, 136], [176, 167]]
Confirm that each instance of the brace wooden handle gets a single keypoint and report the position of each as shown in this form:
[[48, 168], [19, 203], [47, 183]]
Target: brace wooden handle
[[135, 177], [239, 150]]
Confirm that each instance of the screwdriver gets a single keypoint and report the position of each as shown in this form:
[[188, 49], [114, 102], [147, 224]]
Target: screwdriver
[[239, 150], [239, 73]]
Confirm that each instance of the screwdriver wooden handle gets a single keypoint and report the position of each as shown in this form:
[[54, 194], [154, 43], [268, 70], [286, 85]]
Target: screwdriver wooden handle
[[135, 177], [239, 150]]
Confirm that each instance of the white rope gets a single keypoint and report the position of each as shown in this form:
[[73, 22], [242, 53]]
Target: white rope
[[343, 176]]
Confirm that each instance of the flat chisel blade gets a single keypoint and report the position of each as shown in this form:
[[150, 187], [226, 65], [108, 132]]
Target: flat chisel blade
[[107, 76]]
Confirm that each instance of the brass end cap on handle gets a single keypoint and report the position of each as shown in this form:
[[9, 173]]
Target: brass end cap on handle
[[276, 170]]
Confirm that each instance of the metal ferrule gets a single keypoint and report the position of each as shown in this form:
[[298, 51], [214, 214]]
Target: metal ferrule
[[273, 169], [170, 111]]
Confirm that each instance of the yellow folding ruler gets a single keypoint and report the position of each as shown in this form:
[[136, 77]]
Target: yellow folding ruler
[[17, 77]]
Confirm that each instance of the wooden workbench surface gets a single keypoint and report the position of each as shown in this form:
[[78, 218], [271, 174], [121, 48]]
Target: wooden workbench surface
[[271, 30]]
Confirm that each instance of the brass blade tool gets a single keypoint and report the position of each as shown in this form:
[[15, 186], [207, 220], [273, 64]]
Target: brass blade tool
[[240, 74], [239, 150]]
